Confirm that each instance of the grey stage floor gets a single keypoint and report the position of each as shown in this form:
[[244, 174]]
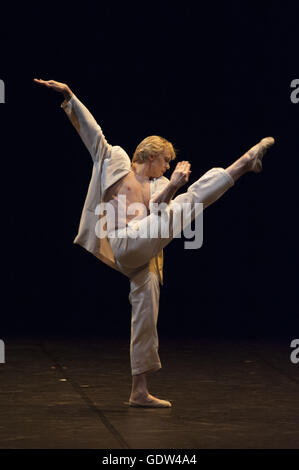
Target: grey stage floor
[[72, 394]]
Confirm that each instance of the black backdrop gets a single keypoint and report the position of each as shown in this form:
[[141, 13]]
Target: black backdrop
[[212, 78]]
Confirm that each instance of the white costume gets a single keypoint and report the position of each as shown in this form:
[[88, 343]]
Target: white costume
[[140, 259]]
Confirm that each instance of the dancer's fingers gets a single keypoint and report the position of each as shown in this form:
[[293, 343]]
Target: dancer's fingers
[[184, 167], [41, 82], [187, 171], [38, 80], [187, 166]]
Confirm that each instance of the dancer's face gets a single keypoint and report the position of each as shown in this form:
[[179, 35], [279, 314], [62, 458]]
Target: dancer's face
[[159, 164]]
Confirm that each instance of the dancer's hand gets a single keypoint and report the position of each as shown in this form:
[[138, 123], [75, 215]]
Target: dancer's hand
[[181, 174], [56, 86]]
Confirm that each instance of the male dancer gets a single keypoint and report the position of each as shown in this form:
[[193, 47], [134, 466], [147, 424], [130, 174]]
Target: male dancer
[[140, 184]]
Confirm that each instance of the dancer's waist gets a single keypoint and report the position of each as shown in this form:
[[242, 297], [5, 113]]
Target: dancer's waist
[[119, 232]]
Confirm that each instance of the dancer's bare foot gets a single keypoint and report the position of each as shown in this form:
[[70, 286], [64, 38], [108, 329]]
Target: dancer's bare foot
[[257, 152], [148, 401]]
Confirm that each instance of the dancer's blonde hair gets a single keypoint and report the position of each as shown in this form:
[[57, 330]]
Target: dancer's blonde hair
[[153, 145]]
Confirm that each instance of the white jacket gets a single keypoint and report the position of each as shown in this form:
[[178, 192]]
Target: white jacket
[[110, 164]]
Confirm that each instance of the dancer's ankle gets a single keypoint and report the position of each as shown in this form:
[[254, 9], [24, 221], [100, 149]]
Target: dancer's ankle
[[137, 394]]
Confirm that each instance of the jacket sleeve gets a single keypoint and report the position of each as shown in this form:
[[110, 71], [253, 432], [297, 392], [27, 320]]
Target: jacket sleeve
[[88, 129]]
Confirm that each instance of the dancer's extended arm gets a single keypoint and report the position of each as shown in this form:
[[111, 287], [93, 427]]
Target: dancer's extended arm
[[85, 124]]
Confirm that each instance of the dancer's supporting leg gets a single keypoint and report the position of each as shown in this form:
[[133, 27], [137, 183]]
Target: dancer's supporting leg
[[144, 298]]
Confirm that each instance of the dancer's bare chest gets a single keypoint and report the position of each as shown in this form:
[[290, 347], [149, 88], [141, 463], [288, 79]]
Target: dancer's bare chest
[[133, 191]]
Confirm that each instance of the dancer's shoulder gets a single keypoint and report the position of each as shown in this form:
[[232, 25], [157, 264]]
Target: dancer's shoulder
[[119, 153]]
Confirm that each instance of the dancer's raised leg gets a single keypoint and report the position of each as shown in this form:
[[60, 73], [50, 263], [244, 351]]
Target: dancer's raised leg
[[251, 160], [206, 190]]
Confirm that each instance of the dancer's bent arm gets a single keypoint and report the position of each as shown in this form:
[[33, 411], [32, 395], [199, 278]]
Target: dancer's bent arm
[[85, 124], [179, 177]]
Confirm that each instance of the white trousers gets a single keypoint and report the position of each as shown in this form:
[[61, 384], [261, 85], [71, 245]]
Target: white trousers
[[133, 255], [144, 299]]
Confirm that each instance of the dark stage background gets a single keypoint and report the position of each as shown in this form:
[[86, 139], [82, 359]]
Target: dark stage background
[[213, 79]]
